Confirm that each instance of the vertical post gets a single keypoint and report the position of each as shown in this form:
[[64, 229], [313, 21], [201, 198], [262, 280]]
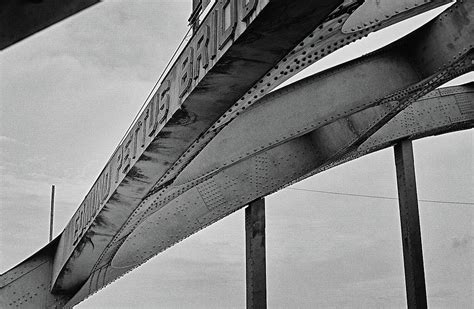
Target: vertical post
[[51, 214], [255, 254], [410, 224]]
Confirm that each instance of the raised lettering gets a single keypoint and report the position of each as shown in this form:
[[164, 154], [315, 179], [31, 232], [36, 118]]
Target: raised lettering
[[186, 72], [217, 30], [202, 54], [83, 220], [153, 114], [227, 21], [126, 154], [105, 184], [213, 22], [147, 116], [96, 200], [88, 206], [205, 3], [247, 8], [153, 106], [118, 163], [91, 206], [161, 102], [77, 227], [135, 139], [164, 104]]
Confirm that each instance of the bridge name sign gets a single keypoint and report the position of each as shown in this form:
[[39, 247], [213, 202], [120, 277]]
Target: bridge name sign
[[193, 63], [235, 45]]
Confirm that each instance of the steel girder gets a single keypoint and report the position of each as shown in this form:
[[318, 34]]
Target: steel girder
[[189, 103], [363, 105], [241, 73], [221, 193], [441, 111], [305, 127], [20, 19]]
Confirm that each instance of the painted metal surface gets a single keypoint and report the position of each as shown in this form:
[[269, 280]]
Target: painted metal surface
[[440, 111], [331, 139], [20, 19], [27, 285], [203, 83], [410, 224], [142, 243], [207, 103], [185, 134], [177, 212], [372, 12], [171, 190], [255, 257], [209, 202]]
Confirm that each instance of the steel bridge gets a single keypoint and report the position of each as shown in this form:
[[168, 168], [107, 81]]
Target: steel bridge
[[215, 137]]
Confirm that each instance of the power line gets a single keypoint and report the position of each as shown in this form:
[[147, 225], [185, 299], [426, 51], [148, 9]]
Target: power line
[[379, 197]]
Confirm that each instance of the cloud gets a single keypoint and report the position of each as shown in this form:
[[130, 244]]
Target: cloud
[[460, 243], [8, 140]]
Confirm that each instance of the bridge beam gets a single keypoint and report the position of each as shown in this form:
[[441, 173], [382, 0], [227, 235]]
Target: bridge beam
[[410, 224], [20, 19], [255, 254]]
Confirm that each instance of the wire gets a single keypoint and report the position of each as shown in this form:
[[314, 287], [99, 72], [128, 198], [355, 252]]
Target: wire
[[379, 197]]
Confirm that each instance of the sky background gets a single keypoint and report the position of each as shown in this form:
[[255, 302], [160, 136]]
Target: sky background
[[68, 94]]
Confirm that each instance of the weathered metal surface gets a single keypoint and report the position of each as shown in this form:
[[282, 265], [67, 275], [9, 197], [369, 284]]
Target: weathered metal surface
[[102, 234], [441, 111], [410, 224], [177, 211], [386, 77], [358, 123], [372, 12], [27, 285], [325, 39], [219, 196], [20, 19], [315, 101], [256, 277], [205, 98], [204, 82], [437, 121]]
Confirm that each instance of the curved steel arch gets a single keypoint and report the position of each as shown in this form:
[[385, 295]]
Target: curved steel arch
[[308, 126], [159, 170], [442, 111]]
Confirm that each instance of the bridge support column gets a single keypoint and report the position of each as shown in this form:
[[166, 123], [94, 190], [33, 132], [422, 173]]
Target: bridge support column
[[255, 254], [410, 224]]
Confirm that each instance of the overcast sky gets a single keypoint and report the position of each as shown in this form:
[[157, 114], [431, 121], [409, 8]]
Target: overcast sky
[[67, 96]]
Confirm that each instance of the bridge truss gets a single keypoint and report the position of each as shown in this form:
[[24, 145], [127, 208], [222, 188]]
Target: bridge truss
[[189, 160]]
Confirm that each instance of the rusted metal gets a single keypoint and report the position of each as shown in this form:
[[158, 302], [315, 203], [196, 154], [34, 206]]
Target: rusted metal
[[255, 255], [410, 224]]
